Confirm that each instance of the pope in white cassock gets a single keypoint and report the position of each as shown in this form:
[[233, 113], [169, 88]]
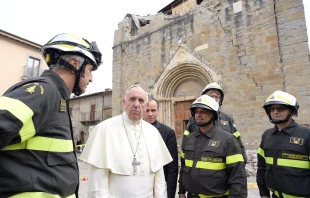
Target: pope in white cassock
[[127, 154]]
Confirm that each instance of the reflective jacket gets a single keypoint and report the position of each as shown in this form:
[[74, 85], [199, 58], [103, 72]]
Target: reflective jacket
[[226, 123], [283, 162], [36, 140], [212, 165]]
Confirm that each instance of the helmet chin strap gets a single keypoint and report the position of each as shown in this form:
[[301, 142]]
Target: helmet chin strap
[[78, 73], [203, 124], [280, 121]]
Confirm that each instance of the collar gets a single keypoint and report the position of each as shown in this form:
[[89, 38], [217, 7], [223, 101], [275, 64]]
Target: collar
[[59, 82], [126, 118], [289, 129], [209, 133], [156, 124]]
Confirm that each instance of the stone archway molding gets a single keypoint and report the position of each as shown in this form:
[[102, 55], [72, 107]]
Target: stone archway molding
[[186, 56], [184, 64], [183, 72]]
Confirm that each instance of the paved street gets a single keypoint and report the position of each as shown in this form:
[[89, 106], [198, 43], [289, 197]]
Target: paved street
[[83, 174], [252, 188]]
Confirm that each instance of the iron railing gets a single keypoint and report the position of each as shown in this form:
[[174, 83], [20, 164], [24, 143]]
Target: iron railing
[[91, 116]]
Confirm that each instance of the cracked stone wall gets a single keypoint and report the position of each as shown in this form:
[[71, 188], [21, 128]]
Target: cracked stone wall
[[258, 45]]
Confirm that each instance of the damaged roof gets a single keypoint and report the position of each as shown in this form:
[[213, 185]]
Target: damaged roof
[[168, 9]]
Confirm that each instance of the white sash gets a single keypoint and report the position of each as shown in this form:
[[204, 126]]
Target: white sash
[[138, 187]]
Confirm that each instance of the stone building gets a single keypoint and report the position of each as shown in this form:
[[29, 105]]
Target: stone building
[[250, 47], [86, 111]]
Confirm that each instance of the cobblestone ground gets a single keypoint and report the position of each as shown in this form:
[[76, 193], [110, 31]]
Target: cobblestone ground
[[252, 187]]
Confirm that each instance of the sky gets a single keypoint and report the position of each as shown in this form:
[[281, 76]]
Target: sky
[[94, 20]]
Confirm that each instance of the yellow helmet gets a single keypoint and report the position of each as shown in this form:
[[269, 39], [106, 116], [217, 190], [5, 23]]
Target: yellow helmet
[[216, 87], [71, 44], [205, 102], [283, 98], [63, 44]]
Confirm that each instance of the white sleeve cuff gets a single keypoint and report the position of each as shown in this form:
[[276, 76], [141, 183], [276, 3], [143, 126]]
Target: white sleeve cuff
[[98, 183]]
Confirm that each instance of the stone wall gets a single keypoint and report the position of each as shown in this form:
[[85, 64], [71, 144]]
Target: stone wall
[[256, 47]]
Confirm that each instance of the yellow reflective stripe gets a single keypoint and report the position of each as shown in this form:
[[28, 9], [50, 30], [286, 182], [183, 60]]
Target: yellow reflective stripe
[[294, 163], [189, 163], [18, 146], [27, 131], [43, 144], [284, 99], [269, 160], [186, 133], [210, 196], [182, 155], [234, 159], [38, 195], [289, 196], [17, 108], [80, 39], [210, 165], [283, 194], [276, 193], [237, 134], [67, 46], [261, 152], [22, 112]]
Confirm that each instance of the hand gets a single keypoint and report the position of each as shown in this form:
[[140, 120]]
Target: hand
[[182, 196], [265, 197]]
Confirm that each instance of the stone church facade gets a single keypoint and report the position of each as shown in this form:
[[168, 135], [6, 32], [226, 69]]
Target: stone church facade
[[251, 47]]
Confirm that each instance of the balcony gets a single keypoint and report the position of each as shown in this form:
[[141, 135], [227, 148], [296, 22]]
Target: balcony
[[91, 118]]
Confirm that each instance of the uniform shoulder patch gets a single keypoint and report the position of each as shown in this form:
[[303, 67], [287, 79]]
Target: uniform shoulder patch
[[63, 106], [224, 122], [33, 87], [214, 143], [296, 140]]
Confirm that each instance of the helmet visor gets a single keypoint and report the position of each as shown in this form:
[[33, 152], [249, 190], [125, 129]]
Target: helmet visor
[[96, 52]]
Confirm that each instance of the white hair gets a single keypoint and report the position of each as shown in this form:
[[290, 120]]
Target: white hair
[[133, 86], [67, 57]]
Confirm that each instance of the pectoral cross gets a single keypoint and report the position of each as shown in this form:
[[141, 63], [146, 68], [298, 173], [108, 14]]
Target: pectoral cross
[[135, 163]]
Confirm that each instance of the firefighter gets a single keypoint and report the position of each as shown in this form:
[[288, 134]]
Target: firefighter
[[224, 121], [37, 151], [283, 154], [211, 161]]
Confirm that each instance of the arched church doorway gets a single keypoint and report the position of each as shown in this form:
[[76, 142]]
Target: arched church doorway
[[179, 84]]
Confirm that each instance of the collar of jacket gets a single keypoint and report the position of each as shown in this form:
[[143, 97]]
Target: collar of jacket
[[289, 129], [209, 133], [156, 124], [59, 82]]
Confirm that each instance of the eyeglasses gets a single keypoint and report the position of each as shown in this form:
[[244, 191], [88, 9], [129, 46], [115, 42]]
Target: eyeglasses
[[279, 109]]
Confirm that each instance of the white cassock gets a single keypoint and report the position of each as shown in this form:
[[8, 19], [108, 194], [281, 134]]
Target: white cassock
[[110, 153]]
